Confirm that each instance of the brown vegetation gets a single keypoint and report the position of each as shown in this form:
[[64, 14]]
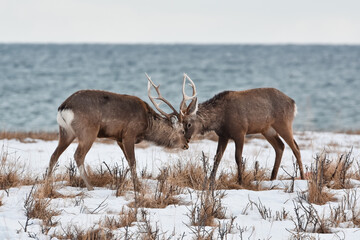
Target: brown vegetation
[[75, 232], [251, 178], [11, 173], [326, 173], [317, 192], [39, 207], [164, 195], [29, 136], [125, 219], [115, 177]]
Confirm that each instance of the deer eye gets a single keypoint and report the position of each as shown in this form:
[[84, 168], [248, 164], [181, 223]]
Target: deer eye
[[188, 125]]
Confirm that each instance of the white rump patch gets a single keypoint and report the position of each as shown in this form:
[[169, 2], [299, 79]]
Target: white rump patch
[[295, 112], [65, 118]]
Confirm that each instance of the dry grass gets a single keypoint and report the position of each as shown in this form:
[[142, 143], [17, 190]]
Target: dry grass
[[207, 208], [115, 177], [189, 175], [74, 232], [12, 174], [328, 173], [29, 136], [39, 208], [164, 195], [48, 190], [251, 179], [9, 176], [317, 193], [347, 211], [353, 132], [192, 174], [338, 172], [214, 137], [125, 219]]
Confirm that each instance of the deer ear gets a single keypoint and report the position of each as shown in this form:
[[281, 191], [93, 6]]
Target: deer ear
[[193, 107]]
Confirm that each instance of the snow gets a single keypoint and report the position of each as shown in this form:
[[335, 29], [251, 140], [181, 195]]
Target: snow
[[33, 158]]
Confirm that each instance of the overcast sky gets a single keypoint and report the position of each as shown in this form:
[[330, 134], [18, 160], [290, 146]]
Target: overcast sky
[[180, 21]]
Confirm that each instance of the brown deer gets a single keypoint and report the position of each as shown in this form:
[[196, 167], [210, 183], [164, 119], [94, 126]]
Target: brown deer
[[233, 114], [88, 114]]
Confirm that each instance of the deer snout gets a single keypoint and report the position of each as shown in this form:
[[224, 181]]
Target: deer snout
[[186, 146]]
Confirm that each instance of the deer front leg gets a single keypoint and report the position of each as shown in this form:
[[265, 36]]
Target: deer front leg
[[239, 143], [219, 153], [128, 147]]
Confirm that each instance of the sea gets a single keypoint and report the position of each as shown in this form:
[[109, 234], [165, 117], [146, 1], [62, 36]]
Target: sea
[[324, 80]]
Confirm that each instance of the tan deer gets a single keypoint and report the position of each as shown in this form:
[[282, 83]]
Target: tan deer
[[233, 114], [90, 114]]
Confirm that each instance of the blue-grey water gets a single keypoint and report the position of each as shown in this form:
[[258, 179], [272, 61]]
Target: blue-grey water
[[324, 80]]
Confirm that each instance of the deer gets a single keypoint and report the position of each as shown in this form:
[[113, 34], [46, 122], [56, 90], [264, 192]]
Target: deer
[[234, 114], [90, 114]]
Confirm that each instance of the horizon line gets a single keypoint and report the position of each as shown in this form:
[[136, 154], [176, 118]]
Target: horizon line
[[176, 43]]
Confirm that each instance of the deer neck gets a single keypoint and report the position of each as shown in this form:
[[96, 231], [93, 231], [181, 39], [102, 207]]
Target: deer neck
[[209, 118], [159, 132]]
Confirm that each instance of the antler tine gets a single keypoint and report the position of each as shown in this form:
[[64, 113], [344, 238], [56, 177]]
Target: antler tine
[[186, 97], [157, 106], [192, 84]]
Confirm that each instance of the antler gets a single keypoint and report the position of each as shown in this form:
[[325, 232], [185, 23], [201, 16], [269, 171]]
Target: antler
[[152, 99], [186, 97]]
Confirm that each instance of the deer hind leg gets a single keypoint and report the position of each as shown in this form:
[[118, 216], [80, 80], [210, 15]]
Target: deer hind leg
[[65, 138], [273, 138], [80, 153], [287, 134], [222, 143]]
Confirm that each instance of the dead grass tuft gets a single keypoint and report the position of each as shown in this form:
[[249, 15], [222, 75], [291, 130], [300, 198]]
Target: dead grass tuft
[[337, 173], [347, 212], [207, 207], [39, 208], [317, 192], [208, 204], [251, 179], [9, 176], [187, 175], [12, 174], [307, 218], [48, 190], [115, 177], [74, 232], [125, 219], [165, 193]]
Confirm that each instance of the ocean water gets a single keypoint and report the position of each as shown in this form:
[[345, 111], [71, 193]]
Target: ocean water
[[35, 79]]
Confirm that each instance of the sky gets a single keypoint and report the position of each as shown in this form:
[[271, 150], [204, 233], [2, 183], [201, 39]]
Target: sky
[[185, 21]]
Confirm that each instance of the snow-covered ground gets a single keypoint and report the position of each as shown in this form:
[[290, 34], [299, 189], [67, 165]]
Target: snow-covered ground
[[34, 156]]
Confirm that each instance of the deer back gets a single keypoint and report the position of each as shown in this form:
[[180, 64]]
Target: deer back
[[110, 113], [249, 111]]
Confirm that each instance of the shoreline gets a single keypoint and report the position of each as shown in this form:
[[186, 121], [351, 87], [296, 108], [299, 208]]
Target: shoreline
[[23, 136]]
